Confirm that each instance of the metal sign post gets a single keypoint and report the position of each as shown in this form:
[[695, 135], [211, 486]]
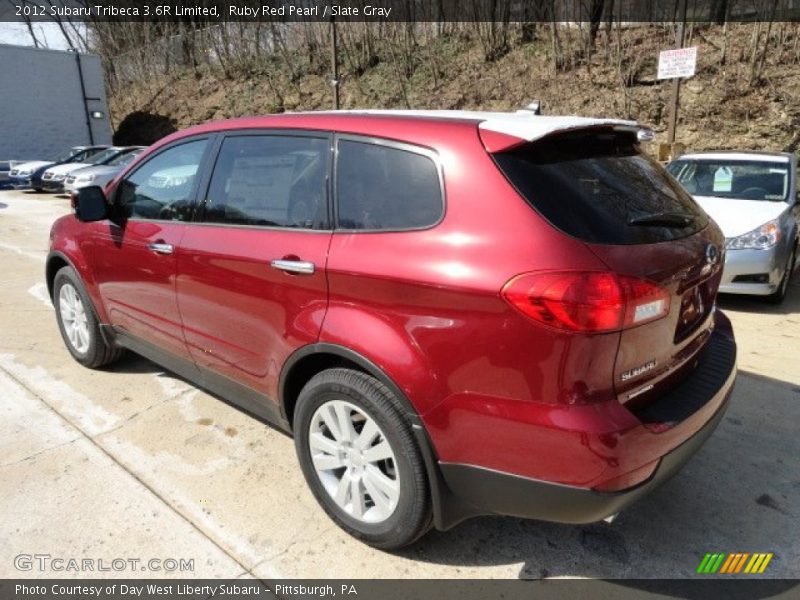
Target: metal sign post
[[674, 56]]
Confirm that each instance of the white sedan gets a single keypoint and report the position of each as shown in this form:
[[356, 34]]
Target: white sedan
[[753, 197]]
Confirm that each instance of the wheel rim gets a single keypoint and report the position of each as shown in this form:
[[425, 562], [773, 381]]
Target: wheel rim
[[73, 318], [354, 461]]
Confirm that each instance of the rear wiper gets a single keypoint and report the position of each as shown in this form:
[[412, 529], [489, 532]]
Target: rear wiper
[[663, 219]]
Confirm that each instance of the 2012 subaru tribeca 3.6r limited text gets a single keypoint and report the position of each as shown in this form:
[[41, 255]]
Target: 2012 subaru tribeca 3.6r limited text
[[454, 313]]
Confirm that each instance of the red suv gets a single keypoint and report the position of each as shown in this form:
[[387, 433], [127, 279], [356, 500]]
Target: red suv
[[455, 313]]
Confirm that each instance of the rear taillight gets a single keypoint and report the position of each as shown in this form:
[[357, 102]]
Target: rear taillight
[[587, 301]]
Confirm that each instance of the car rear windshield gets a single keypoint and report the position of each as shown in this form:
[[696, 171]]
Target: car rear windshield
[[736, 179], [599, 187]]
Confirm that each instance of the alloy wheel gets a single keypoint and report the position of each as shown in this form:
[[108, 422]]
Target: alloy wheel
[[73, 318], [354, 461]]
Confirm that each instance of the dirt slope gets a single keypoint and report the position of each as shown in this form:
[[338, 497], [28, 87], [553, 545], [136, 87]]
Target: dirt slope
[[720, 107]]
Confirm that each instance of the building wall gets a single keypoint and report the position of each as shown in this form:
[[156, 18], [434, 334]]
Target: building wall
[[41, 107]]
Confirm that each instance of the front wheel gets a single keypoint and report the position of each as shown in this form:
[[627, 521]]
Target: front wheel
[[778, 296], [78, 323], [360, 459]]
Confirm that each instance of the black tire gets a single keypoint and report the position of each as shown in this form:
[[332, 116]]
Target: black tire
[[38, 190], [99, 352], [412, 515], [780, 294]]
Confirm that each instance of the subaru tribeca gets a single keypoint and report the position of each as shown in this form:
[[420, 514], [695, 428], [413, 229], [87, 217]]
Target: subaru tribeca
[[454, 313]]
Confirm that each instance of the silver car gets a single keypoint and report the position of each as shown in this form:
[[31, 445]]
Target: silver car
[[753, 197], [100, 174]]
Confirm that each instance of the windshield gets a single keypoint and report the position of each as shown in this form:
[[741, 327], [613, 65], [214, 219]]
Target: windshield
[[124, 159], [736, 179], [65, 156], [83, 155], [101, 157]]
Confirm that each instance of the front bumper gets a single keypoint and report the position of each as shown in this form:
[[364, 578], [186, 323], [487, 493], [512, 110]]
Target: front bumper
[[74, 186], [51, 185], [746, 264], [19, 183], [699, 402]]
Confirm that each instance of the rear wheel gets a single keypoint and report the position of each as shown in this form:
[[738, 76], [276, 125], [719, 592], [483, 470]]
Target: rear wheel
[[360, 459], [78, 323], [783, 286]]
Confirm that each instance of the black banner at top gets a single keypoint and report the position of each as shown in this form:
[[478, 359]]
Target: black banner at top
[[577, 11]]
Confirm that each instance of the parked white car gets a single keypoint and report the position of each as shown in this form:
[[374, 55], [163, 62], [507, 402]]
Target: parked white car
[[100, 174], [753, 197], [54, 177]]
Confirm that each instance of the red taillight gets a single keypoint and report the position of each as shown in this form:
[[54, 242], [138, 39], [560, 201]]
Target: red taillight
[[587, 301]]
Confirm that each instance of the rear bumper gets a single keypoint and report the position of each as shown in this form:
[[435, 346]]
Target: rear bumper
[[698, 403], [493, 492]]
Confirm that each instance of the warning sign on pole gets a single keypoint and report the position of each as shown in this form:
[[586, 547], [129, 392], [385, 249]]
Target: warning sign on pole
[[677, 63]]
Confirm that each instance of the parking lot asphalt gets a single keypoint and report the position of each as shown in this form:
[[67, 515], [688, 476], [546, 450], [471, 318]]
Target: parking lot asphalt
[[132, 462]]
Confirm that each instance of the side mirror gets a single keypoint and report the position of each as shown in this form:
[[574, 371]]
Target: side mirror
[[90, 204]]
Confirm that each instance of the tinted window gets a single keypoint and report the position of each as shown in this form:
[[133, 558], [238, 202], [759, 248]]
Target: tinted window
[[600, 188], [274, 181], [747, 180], [162, 187], [379, 187]]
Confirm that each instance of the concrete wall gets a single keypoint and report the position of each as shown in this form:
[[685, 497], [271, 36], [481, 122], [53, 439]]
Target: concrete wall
[[41, 102]]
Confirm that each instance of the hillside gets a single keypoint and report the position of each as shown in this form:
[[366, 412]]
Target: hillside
[[730, 103]]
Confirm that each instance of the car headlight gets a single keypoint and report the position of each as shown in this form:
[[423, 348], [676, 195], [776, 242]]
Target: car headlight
[[59, 176], [761, 238], [25, 172]]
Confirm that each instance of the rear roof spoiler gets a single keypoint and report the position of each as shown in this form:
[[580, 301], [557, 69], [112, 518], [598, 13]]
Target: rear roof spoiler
[[499, 134]]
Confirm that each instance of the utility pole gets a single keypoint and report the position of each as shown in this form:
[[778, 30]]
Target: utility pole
[[676, 82], [335, 65]]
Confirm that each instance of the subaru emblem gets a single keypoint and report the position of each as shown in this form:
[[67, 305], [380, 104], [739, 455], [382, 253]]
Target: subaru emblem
[[711, 254]]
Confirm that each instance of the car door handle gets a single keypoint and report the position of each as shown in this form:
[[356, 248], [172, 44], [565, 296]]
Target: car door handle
[[161, 248], [293, 266]]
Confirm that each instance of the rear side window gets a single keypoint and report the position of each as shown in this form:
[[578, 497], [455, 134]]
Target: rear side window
[[385, 188], [600, 188], [271, 181]]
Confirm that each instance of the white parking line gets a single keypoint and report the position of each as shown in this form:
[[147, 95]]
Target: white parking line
[[39, 291], [93, 420], [90, 417]]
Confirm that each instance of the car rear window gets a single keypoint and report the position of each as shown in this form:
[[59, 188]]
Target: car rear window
[[599, 187], [380, 187]]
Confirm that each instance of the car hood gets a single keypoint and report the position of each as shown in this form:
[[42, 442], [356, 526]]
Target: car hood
[[33, 165], [737, 217], [67, 168]]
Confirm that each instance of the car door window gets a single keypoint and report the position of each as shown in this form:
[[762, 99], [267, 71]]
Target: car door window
[[162, 188], [270, 181], [380, 187]]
